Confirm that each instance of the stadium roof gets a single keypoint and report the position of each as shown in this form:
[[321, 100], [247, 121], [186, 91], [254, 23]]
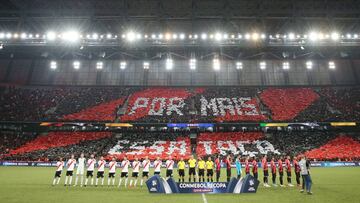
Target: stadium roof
[[270, 16]]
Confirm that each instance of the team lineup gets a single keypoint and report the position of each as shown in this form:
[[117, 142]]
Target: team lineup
[[199, 170]]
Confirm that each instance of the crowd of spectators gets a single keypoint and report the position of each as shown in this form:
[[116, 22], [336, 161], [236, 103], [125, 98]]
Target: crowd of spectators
[[153, 145], [12, 140], [55, 103], [103, 103], [343, 147], [344, 100], [58, 139], [317, 145], [98, 147]]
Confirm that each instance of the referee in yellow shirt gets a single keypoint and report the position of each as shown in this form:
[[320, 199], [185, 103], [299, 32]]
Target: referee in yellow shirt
[[181, 169], [201, 167], [192, 165], [210, 170]]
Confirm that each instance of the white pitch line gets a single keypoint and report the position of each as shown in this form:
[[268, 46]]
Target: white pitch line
[[204, 198]]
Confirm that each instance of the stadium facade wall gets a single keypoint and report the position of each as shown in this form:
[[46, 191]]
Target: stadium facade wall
[[37, 72]]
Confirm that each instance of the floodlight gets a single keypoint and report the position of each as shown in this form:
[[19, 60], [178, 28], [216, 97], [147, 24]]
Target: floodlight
[[146, 65], [76, 65], [286, 65], [53, 65], [239, 65], [99, 65], [23, 36], [216, 64], [71, 36], [203, 36], [313, 36], [335, 36], [95, 36], [8, 35], [332, 65], [130, 36], [51, 35], [255, 36], [291, 36], [169, 64], [192, 64], [218, 36], [309, 65], [122, 65], [262, 65]]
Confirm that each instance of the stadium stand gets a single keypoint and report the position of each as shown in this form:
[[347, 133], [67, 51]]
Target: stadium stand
[[156, 105], [11, 140], [66, 103], [316, 145], [343, 147], [58, 139], [152, 145]]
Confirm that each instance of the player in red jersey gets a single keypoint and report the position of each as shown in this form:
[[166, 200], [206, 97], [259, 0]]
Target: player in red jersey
[[247, 166], [228, 168], [273, 171], [255, 168], [297, 171], [288, 171], [265, 167], [218, 168], [281, 172]]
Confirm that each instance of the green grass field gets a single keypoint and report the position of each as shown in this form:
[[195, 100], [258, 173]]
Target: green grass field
[[33, 184]]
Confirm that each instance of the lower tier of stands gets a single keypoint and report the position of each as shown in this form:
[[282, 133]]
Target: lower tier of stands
[[315, 145]]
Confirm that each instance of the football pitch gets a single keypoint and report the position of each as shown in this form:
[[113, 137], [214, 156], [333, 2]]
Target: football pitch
[[33, 184]]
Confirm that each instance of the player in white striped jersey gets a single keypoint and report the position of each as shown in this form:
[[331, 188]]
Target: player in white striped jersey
[[146, 167], [135, 173], [90, 170], [124, 171], [169, 167], [100, 171], [157, 166], [59, 168], [70, 165], [112, 171], [80, 169]]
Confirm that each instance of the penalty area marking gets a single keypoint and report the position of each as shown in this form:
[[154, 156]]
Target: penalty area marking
[[204, 198]]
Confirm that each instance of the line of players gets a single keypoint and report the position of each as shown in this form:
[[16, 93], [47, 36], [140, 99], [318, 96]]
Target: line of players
[[209, 166]]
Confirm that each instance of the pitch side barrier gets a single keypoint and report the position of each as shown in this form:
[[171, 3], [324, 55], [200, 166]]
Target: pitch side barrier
[[157, 184], [50, 164]]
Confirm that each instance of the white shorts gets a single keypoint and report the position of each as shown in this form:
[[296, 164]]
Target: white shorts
[[80, 171]]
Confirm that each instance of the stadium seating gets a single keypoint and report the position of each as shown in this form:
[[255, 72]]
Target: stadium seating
[[58, 139], [152, 145], [342, 147], [102, 112], [166, 104], [65, 103], [285, 104], [316, 145], [11, 140], [234, 143]]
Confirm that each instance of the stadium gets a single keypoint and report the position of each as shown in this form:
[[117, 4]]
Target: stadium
[[122, 99]]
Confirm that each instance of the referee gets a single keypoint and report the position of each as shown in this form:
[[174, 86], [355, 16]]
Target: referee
[[192, 165]]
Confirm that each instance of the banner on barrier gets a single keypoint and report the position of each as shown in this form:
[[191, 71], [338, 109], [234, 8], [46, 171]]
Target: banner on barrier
[[248, 184]]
